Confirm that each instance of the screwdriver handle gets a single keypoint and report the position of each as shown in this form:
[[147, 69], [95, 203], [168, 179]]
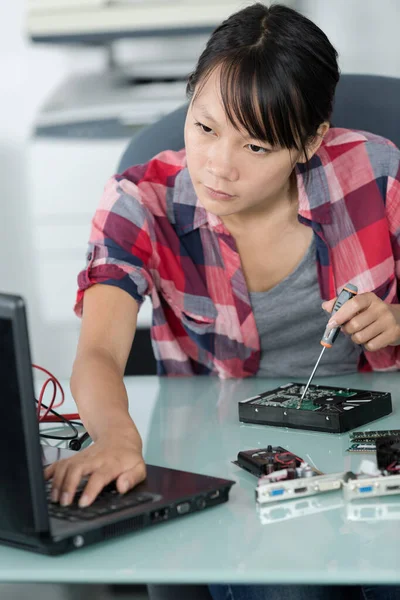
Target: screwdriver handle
[[330, 335]]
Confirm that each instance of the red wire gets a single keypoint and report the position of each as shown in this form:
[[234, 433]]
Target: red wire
[[55, 419], [46, 417], [285, 462], [42, 391], [393, 466]]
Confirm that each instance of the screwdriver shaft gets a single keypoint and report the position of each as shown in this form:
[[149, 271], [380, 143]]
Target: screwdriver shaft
[[331, 333], [311, 377]]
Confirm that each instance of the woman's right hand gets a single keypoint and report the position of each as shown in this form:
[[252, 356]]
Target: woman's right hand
[[114, 457]]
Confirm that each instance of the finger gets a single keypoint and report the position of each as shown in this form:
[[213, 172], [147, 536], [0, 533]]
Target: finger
[[361, 321], [328, 305], [129, 479], [58, 478], [368, 334], [377, 343], [49, 471], [352, 307], [72, 478], [95, 484]]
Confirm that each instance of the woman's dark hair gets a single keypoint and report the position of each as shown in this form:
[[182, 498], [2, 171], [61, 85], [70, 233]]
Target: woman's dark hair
[[278, 74]]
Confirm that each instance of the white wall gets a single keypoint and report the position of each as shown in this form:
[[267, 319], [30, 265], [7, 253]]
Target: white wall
[[364, 32]]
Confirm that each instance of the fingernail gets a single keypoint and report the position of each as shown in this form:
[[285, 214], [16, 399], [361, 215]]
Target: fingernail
[[54, 495], [84, 500], [124, 486], [332, 323], [64, 499]]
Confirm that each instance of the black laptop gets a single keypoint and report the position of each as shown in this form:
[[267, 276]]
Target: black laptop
[[28, 519]]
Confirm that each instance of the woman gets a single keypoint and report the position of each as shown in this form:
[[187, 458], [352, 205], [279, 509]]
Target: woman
[[238, 239]]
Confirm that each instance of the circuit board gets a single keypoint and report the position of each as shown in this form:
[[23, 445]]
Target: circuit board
[[324, 408], [366, 447], [365, 441], [372, 435], [318, 398]]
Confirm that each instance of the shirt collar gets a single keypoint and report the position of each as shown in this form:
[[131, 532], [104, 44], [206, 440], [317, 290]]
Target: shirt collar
[[313, 198], [188, 212], [313, 195]]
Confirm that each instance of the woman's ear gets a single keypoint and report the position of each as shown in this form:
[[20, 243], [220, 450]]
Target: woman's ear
[[315, 142]]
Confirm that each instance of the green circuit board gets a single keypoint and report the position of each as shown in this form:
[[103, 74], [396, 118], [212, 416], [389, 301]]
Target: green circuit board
[[289, 397]]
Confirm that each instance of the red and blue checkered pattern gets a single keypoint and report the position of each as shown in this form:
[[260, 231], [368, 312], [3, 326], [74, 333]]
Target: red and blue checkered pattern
[[150, 235]]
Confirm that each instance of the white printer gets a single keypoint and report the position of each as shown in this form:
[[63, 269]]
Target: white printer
[[63, 21]]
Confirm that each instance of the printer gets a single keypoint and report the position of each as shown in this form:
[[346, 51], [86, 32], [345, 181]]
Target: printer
[[97, 21]]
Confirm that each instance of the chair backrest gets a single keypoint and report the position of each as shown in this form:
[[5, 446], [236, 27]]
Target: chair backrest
[[366, 102]]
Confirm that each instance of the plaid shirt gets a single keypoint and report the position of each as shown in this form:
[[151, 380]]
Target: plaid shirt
[[150, 235]]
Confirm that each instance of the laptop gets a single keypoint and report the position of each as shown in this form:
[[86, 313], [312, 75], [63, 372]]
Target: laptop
[[28, 518]]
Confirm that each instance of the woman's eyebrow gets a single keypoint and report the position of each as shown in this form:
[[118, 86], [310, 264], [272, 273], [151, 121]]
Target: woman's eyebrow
[[206, 114], [204, 111]]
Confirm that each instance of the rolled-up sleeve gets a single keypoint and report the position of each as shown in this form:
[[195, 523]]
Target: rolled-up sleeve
[[120, 246], [389, 358], [393, 209]]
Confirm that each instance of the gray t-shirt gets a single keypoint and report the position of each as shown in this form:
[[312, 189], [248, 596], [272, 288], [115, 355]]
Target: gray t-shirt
[[290, 323]]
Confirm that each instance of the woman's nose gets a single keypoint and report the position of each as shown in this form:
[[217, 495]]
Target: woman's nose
[[221, 162]]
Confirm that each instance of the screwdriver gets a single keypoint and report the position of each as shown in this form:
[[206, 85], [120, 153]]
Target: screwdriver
[[330, 334]]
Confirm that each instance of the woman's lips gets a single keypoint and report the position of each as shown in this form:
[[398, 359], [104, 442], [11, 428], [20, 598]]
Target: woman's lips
[[217, 194]]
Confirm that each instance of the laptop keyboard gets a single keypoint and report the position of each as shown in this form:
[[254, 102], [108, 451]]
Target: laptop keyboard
[[108, 501]]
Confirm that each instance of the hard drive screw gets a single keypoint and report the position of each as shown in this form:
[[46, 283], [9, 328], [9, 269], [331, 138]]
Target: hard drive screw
[[78, 541], [256, 410], [327, 418], [285, 413]]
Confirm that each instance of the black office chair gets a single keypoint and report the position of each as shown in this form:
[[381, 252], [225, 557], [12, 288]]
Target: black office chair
[[366, 102]]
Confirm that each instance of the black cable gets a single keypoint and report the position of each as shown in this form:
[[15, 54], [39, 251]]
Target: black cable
[[77, 443], [70, 424]]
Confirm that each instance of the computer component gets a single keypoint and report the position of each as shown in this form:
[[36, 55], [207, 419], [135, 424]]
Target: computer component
[[296, 488], [263, 461], [364, 486], [365, 441], [365, 446], [356, 436], [33, 522], [388, 453], [325, 408]]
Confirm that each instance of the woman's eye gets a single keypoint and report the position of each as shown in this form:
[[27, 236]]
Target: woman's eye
[[257, 149], [253, 147], [203, 128]]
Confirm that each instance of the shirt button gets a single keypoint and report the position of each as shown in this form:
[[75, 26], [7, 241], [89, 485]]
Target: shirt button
[[89, 256]]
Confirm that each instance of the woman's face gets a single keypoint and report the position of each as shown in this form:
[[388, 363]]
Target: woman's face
[[252, 174]]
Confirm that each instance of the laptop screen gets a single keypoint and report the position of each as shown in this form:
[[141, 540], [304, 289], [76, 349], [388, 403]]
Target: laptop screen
[[19, 441]]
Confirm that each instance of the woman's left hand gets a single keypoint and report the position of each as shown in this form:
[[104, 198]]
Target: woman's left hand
[[368, 321]]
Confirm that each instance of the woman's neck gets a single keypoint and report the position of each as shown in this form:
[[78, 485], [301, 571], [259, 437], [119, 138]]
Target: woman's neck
[[278, 215]]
